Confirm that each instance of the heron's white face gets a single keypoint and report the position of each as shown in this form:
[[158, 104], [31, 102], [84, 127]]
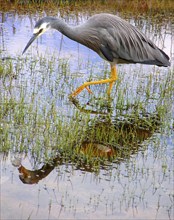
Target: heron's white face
[[41, 29]]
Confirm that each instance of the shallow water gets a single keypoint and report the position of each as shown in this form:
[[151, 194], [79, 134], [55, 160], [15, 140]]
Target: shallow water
[[138, 186]]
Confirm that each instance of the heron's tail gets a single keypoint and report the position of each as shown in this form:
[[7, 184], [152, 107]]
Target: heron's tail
[[165, 59], [157, 57]]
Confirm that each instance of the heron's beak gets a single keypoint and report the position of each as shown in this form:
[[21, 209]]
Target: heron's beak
[[30, 42]]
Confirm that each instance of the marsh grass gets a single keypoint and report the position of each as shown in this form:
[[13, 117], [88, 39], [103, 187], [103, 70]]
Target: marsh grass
[[94, 6], [34, 119], [6, 68]]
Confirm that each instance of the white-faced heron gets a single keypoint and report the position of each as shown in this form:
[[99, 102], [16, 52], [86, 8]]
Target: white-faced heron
[[113, 38]]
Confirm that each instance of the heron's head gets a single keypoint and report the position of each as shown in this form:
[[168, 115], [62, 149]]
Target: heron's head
[[41, 27]]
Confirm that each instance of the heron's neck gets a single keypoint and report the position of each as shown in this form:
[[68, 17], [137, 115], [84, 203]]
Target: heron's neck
[[64, 28]]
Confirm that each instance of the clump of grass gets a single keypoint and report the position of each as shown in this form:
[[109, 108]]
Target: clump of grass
[[6, 68]]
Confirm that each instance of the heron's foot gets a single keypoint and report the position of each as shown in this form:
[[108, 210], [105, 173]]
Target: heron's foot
[[88, 89], [86, 84], [80, 89]]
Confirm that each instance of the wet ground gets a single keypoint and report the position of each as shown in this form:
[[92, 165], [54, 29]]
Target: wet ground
[[122, 165]]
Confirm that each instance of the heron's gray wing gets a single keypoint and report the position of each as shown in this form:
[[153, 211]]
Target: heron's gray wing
[[123, 42], [106, 52]]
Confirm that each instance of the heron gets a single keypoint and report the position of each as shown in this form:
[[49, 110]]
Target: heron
[[112, 38]]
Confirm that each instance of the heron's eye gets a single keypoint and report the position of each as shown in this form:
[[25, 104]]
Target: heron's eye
[[40, 31]]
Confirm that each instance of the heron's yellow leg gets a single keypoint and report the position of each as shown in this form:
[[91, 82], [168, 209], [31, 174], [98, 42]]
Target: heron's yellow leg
[[86, 84], [88, 90], [113, 78]]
